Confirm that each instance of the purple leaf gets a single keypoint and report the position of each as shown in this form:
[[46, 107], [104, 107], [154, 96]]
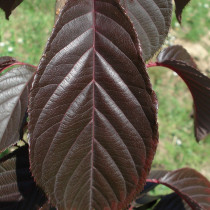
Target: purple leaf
[[17, 187], [6, 61], [177, 59], [180, 5], [8, 6], [92, 113], [172, 202], [190, 185], [14, 91], [151, 19]]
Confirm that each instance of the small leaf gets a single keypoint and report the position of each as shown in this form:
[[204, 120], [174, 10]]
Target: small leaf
[[172, 202], [14, 91], [180, 5], [92, 113], [151, 19], [8, 6], [190, 185], [17, 187], [6, 61], [177, 59], [145, 202]]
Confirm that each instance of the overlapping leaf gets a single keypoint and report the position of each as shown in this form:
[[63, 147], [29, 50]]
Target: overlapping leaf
[[177, 59], [144, 202], [14, 91], [190, 185], [180, 5], [172, 202], [92, 114], [151, 19], [5, 61], [18, 190], [9, 5]]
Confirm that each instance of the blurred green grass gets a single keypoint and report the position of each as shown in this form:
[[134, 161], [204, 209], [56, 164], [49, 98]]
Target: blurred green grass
[[195, 21], [25, 35]]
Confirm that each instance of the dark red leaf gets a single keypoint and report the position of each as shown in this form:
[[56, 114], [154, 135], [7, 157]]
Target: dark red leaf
[[190, 185], [177, 59], [6, 61], [172, 202], [18, 190], [92, 114], [14, 91], [180, 5], [151, 19], [8, 6]]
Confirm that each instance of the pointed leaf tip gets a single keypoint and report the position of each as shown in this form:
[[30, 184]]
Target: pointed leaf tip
[[180, 5], [8, 6]]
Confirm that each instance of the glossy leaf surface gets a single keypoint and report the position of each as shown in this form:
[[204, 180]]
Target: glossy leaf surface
[[14, 91], [93, 130], [177, 59], [151, 19], [9, 5], [190, 185], [180, 5], [18, 190]]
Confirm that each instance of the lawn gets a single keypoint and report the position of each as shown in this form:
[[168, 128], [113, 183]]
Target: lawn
[[25, 35]]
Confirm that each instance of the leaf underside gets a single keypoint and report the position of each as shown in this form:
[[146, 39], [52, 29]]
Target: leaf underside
[[151, 19], [14, 91], [92, 113], [177, 59], [18, 190], [190, 185], [8, 6]]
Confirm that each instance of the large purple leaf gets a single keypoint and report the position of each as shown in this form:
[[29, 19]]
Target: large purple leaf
[[190, 185], [180, 5], [14, 91], [92, 113], [177, 59], [9, 5], [151, 19], [18, 190]]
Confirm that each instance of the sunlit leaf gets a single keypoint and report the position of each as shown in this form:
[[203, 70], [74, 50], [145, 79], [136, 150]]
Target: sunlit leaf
[[92, 114]]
